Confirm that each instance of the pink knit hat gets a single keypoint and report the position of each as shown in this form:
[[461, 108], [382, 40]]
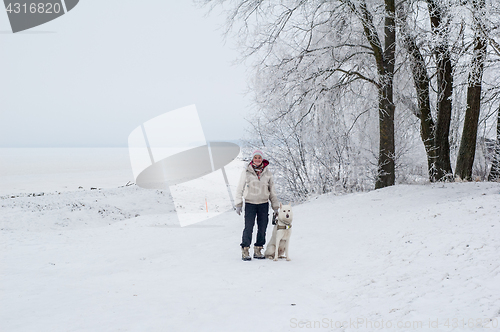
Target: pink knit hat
[[258, 152]]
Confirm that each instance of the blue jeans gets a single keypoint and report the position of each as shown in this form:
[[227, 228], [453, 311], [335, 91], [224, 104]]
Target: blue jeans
[[262, 213]]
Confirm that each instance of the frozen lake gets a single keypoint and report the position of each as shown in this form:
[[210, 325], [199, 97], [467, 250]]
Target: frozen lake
[[25, 170]]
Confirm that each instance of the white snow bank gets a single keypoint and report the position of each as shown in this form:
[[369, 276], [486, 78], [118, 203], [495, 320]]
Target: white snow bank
[[420, 256]]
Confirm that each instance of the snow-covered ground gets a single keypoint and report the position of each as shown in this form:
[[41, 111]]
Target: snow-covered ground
[[405, 258]]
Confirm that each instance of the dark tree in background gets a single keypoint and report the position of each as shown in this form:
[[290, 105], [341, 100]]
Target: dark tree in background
[[495, 166], [386, 164], [422, 85], [444, 74], [467, 149], [436, 134], [385, 60]]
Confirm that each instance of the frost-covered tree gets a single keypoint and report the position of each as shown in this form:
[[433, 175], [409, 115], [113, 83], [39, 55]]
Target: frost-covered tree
[[333, 78], [448, 60], [307, 51], [430, 53]]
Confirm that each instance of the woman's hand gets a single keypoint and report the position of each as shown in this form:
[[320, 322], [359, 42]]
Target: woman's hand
[[238, 210]]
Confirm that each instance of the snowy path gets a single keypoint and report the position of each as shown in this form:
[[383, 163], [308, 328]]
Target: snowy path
[[400, 255]]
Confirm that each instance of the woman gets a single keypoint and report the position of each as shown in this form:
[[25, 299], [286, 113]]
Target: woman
[[256, 186]]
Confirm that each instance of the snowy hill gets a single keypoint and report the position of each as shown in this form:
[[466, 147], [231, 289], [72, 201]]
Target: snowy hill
[[402, 258]]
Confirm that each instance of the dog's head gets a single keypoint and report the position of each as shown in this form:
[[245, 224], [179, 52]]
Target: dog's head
[[285, 213]]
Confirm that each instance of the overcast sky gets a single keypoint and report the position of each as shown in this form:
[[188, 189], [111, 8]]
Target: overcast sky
[[88, 78]]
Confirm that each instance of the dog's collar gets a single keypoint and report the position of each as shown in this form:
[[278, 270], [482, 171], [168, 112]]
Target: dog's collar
[[284, 222], [284, 227]]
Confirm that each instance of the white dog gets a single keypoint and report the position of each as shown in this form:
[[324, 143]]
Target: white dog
[[281, 234]]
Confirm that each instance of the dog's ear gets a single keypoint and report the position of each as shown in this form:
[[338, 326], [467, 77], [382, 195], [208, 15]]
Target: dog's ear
[[281, 205]]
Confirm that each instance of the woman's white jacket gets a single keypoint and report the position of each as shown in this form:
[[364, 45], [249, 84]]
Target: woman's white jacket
[[256, 191]]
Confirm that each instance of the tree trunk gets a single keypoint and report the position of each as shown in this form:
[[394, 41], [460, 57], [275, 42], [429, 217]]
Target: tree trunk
[[386, 163], [422, 84], [384, 59], [467, 149], [495, 166], [444, 94]]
